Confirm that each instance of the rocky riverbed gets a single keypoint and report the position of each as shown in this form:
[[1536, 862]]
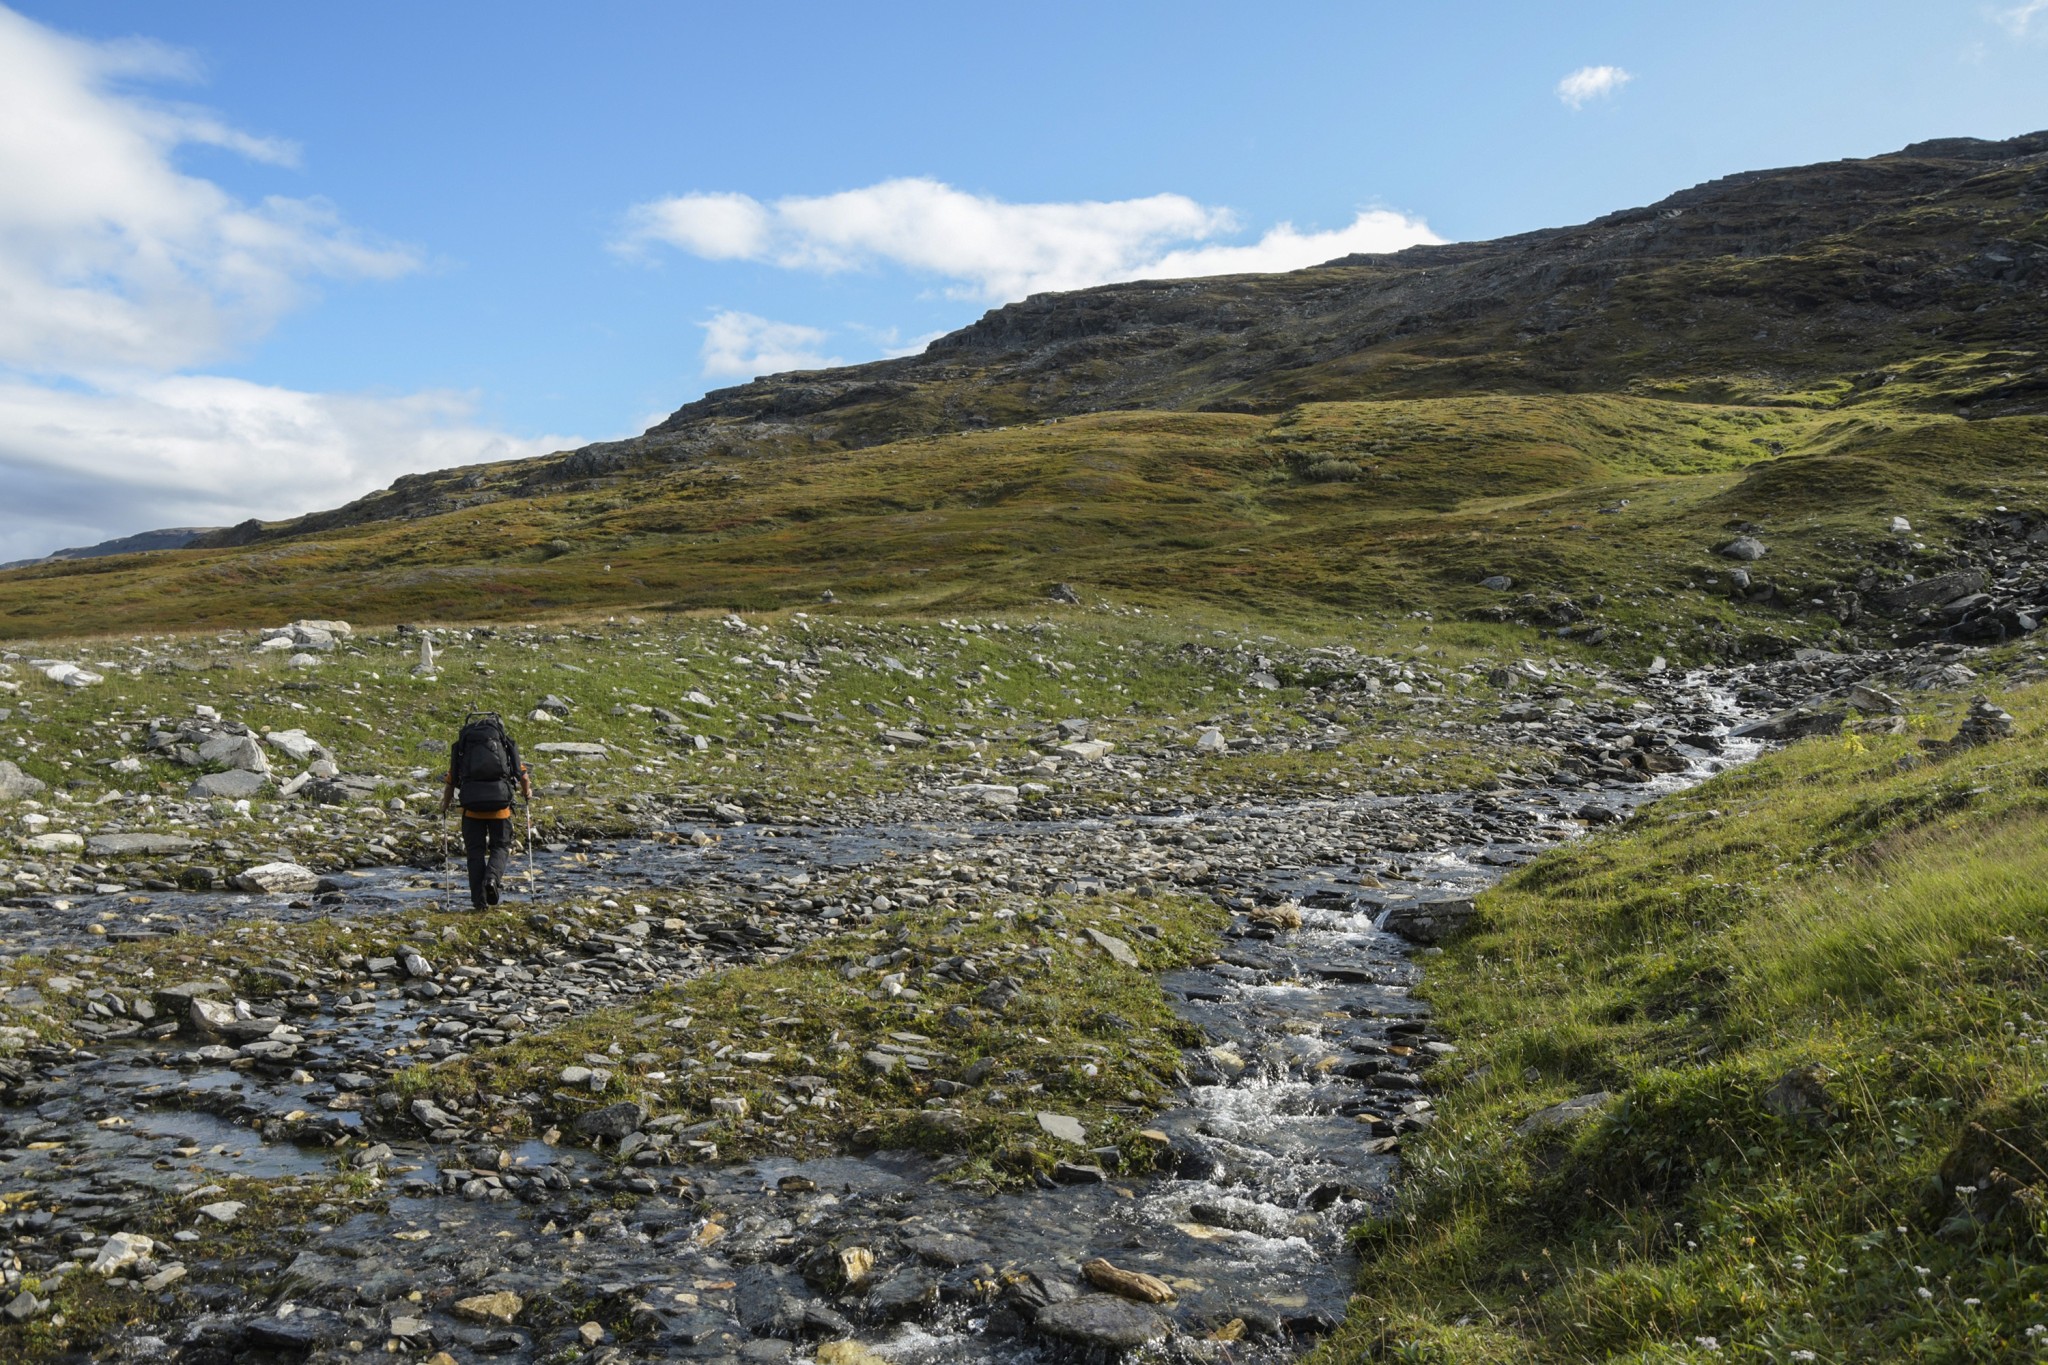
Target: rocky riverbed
[[227, 1132]]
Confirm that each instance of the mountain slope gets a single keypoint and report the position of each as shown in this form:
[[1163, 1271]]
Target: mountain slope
[[1350, 437]]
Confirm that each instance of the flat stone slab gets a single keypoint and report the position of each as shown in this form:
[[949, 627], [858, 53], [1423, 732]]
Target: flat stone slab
[[277, 877], [233, 785], [143, 845], [1065, 1127], [573, 748], [1115, 947]]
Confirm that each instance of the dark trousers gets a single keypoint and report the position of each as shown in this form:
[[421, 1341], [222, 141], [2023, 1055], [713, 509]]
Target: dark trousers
[[489, 846]]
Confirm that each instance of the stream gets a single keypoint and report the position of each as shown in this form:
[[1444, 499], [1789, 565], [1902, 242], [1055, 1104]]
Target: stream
[[1285, 1133]]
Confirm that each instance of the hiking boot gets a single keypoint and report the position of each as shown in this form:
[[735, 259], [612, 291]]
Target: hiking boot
[[491, 894]]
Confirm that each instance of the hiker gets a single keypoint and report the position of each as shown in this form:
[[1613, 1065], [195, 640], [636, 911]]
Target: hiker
[[483, 767]]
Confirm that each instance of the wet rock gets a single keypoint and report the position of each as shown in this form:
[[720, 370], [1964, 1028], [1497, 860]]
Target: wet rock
[[947, 1249], [847, 1353], [613, 1121], [209, 1017], [273, 878], [1100, 1322], [1430, 921], [1129, 1284], [501, 1307]]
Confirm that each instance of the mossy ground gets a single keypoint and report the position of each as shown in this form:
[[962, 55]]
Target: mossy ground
[[1859, 906], [1085, 1036]]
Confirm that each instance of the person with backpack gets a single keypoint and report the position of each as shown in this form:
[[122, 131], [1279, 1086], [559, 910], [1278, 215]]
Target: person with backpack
[[483, 769]]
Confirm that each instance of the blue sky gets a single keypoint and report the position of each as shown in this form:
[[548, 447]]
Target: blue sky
[[262, 258]]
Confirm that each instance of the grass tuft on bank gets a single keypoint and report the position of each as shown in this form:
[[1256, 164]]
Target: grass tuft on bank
[[1814, 990]]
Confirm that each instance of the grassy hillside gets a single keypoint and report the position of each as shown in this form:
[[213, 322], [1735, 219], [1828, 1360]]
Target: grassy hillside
[[1812, 992], [1373, 508]]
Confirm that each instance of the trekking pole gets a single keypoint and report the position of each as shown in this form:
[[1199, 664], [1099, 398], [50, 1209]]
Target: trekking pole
[[529, 843]]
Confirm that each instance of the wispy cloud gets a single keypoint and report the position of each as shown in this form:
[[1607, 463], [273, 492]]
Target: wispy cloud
[[120, 273], [1594, 82], [742, 346], [2020, 18], [989, 249]]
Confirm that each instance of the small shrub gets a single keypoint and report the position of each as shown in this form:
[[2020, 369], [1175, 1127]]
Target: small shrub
[[1333, 471]]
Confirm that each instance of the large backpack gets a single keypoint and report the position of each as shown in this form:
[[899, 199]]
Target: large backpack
[[483, 762]]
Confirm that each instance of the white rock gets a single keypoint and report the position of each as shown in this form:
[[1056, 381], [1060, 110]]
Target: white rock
[[296, 745], [277, 877], [1088, 749], [55, 843], [69, 674], [1211, 741], [225, 1211], [122, 1250]]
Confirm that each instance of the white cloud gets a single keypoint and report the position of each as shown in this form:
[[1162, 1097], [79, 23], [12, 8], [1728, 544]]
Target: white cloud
[[992, 250], [119, 273], [203, 450], [742, 346], [2020, 18], [718, 227], [1591, 83], [112, 258], [1286, 248]]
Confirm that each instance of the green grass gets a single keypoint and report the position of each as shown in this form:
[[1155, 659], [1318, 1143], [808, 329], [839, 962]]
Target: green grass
[[1856, 909], [1616, 494]]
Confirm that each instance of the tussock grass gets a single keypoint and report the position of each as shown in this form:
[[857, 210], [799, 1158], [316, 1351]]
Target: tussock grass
[[1815, 988]]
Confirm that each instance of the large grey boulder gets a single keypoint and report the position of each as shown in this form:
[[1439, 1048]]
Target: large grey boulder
[[235, 751], [1937, 591], [1429, 921], [233, 785], [1743, 547], [16, 784]]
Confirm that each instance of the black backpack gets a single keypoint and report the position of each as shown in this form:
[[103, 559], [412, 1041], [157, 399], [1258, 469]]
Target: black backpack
[[485, 762]]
